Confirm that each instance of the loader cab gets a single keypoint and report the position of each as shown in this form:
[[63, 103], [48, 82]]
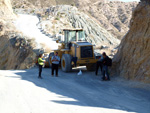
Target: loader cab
[[73, 35]]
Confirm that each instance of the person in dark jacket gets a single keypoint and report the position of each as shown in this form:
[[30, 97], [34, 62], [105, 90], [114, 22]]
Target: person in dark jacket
[[105, 67], [70, 44], [40, 63], [99, 64]]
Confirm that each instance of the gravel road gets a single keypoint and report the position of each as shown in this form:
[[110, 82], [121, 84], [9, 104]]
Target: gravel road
[[22, 92]]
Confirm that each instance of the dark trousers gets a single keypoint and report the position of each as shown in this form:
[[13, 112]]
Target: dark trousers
[[55, 67], [98, 64], [40, 70], [105, 72]]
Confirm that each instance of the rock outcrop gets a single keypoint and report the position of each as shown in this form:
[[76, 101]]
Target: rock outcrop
[[6, 11], [16, 51], [114, 16], [94, 32], [133, 57]]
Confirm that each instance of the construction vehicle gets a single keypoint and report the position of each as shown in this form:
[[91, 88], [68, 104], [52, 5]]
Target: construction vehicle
[[74, 51]]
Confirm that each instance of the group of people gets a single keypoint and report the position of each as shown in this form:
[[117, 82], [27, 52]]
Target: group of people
[[55, 64], [103, 63]]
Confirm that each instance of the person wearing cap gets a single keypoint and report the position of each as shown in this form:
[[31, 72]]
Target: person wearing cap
[[55, 63]]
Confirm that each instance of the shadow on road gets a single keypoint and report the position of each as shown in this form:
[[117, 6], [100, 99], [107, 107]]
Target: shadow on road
[[88, 90]]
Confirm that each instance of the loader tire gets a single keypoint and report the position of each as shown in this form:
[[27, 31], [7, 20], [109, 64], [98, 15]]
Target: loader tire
[[66, 63]]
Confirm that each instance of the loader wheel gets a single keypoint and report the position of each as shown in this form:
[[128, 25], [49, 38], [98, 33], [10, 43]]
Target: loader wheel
[[66, 63], [49, 59], [91, 67]]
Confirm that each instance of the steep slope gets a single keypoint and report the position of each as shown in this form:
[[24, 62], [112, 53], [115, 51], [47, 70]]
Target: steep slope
[[114, 16], [27, 24], [94, 32], [16, 52], [133, 57]]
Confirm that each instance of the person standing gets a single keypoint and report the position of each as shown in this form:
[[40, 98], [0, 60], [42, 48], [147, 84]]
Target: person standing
[[105, 67], [40, 63], [55, 63], [99, 64]]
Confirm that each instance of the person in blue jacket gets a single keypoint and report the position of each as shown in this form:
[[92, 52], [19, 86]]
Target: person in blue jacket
[[55, 63]]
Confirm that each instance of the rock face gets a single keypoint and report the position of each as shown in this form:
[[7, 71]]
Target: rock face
[[114, 16], [6, 11], [94, 32], [16, 52], [133, 57]]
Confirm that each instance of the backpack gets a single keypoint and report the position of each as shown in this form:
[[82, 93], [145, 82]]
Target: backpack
[[109, 62]]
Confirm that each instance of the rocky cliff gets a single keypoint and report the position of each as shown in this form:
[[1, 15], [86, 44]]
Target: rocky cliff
[[133, 57], [16, 52]]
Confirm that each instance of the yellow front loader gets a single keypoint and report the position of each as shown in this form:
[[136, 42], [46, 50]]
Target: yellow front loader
[[74, 51]]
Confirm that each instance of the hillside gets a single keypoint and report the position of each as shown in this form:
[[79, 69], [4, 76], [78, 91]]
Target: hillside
[[55, 18], [16, 51], [41, 3], [20, 46], [133, 57], [113, 16], [70, 16]]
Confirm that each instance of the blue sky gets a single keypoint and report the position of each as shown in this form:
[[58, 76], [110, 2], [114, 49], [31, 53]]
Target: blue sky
[[127, 0]]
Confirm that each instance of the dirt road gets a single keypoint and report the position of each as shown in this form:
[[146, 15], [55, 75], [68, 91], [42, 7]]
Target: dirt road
[[27, 24], [22, 92]]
